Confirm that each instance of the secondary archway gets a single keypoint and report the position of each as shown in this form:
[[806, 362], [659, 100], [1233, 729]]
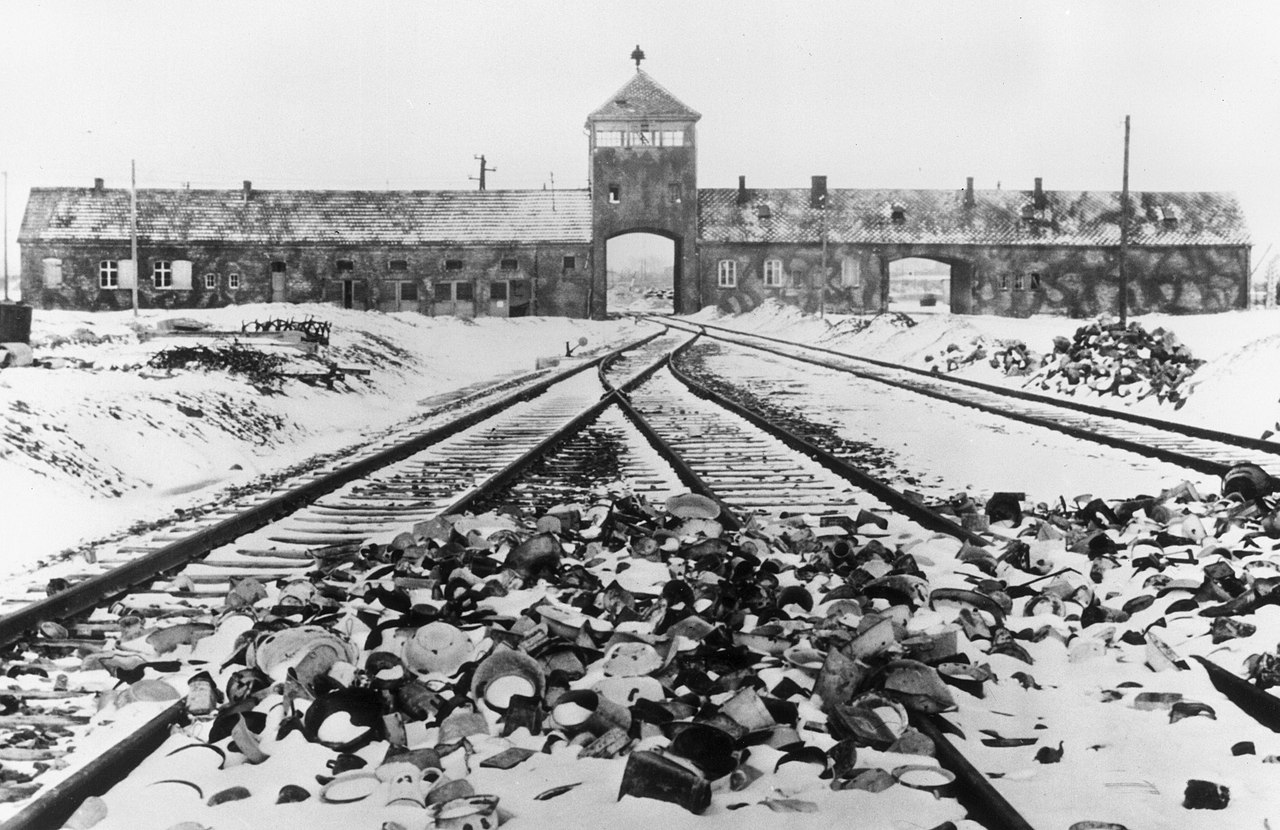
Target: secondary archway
[[920, 286], [641, 269]]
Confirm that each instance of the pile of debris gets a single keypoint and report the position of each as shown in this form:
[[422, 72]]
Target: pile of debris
[[1125, 361], [618, 649]]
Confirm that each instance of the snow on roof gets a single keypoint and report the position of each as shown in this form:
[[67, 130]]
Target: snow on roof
[[397, 217], [998, 217]]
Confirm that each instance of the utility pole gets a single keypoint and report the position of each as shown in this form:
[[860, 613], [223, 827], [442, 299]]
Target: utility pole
[[133, 228], [6, 236], [822, 275], [483, 170], [1124, 230]]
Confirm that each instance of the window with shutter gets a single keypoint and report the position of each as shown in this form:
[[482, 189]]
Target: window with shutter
[[52, 272], [128, 270], [182, 274], [108, 274]]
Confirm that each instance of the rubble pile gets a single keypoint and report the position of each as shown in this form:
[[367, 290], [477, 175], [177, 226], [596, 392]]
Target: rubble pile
[[618, 651], [1108, 359]]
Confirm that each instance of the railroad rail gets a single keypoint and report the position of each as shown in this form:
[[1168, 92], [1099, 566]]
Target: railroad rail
[[1205, 450], [642, 420]]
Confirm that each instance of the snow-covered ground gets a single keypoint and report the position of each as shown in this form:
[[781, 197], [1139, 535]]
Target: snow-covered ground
[[87, 450], [1237, 390], [102, 440]]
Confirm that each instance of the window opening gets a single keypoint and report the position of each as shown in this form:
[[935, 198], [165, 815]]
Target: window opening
[[444, 292], [675, 192], [1035, 280], [850, 272], [210, 281], [453, 265], [162, 273], [109, 273], [570, 263], [279, 267], [1019, 282], [615, 194], [399, 265], [510, 264], [52, 272], [1004, 282], [498, 291], [464, 291], [728, 273], [409, 291], [233, 279], [345, 265], [773, 273]]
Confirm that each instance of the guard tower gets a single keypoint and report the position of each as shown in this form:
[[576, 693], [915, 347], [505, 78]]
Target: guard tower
[[644, 178]]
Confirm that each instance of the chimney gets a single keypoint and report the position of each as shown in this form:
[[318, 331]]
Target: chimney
[[743, 198], [1039, 194], [248, 190], [98, 185], [818, 192], [969, 201]]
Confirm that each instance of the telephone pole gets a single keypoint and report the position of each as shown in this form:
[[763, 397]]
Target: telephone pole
[[483, 170], [6, 236], [1124, 230], [133, 228]]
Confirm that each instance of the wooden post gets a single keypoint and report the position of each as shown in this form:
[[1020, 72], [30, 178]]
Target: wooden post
[[1124, 230], [133, 229]]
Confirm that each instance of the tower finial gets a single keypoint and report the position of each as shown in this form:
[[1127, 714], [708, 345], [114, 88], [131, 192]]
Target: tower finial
[[637, 56]]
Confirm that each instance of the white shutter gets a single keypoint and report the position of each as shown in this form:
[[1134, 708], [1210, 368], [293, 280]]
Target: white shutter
[[128, 273], [52, 272], [182, 274]]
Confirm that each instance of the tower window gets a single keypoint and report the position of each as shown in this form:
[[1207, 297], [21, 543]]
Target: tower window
[[609, 138], [671, 138], [773, 273], [728, 273], [570, 263], [615, 194], [675, 192]]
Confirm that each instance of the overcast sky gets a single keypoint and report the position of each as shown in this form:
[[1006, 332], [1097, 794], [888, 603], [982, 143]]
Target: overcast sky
[[871, 94]]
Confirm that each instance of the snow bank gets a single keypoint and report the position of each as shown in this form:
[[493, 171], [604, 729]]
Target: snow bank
[[105, 440]]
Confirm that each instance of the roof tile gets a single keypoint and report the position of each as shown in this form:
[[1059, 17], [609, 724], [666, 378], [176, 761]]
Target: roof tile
[[327, 216], [939, 217]]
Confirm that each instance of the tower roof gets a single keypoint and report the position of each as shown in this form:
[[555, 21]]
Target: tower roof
[[643, 97]]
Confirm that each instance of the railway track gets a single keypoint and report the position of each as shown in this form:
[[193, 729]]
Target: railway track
[[639, 421], [1207, 451]]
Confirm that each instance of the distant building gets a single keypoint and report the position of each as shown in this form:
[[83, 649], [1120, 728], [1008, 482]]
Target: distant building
[[1010, 252]]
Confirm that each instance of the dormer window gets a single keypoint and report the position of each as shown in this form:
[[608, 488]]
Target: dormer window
[[764, 212], [898, 214], [1169, 216], [1028, 213]]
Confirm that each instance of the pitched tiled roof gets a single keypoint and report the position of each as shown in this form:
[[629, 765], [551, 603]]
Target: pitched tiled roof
[[997, 217], [403, 217], [643, 97]]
